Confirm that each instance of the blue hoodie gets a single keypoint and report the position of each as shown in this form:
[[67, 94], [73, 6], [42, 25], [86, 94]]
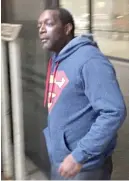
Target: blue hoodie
[[86, 107]]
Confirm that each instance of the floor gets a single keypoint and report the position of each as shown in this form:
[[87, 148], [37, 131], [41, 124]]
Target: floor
[[33, 172]]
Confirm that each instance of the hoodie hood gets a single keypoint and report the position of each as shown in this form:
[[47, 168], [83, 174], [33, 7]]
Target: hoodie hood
[[73, 45]]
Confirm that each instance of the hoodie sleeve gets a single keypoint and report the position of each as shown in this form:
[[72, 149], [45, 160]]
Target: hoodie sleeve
[[103, 92]]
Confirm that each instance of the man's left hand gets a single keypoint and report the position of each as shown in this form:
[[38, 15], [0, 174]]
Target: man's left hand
[[69, 167]]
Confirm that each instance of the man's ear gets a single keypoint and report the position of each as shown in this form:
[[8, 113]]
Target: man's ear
[[68, 28]]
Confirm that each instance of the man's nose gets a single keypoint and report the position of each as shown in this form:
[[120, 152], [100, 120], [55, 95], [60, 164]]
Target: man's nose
[[42, 29]]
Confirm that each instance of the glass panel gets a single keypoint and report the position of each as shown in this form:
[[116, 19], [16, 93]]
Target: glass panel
[[79, 10], [34, 62], [111, 26]]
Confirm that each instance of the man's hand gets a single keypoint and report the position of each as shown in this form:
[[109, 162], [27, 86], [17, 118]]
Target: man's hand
[[69, 167]]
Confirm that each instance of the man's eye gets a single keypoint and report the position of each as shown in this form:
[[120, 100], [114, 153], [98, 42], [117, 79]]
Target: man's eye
[[49, 23]]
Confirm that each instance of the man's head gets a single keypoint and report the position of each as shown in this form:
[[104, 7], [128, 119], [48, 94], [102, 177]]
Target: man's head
[[56, 28]]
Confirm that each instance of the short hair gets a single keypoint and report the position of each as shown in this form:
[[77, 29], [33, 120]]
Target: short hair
[[65, 17]]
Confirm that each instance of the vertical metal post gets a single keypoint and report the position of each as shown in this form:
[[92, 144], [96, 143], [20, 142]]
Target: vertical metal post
[[7, 158], [90, 16], [17, 107]]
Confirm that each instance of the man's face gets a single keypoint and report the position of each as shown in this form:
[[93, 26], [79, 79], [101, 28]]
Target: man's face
[[51, 30]]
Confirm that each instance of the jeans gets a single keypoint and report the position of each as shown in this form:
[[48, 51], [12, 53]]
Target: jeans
[[102, 173]]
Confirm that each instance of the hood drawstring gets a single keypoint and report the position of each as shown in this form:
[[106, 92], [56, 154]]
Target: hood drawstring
[[54, 75], [48, 81]]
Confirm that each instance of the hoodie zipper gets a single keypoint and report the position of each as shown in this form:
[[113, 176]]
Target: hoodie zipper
[[48, 81], [47, 91]]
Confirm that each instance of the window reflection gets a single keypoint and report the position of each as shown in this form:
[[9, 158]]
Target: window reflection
[[110, 23], [111, 26], [79, 10]]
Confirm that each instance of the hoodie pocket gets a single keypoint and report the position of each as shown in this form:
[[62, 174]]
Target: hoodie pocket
[[48, 142], [60, 147]]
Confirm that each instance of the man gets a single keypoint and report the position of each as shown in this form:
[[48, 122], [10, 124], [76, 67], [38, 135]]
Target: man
[[85, 104]]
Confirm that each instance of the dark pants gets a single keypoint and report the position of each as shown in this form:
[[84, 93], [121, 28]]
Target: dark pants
[[102, 173]]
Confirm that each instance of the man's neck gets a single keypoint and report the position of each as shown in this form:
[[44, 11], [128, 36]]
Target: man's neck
[[63, 45]]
